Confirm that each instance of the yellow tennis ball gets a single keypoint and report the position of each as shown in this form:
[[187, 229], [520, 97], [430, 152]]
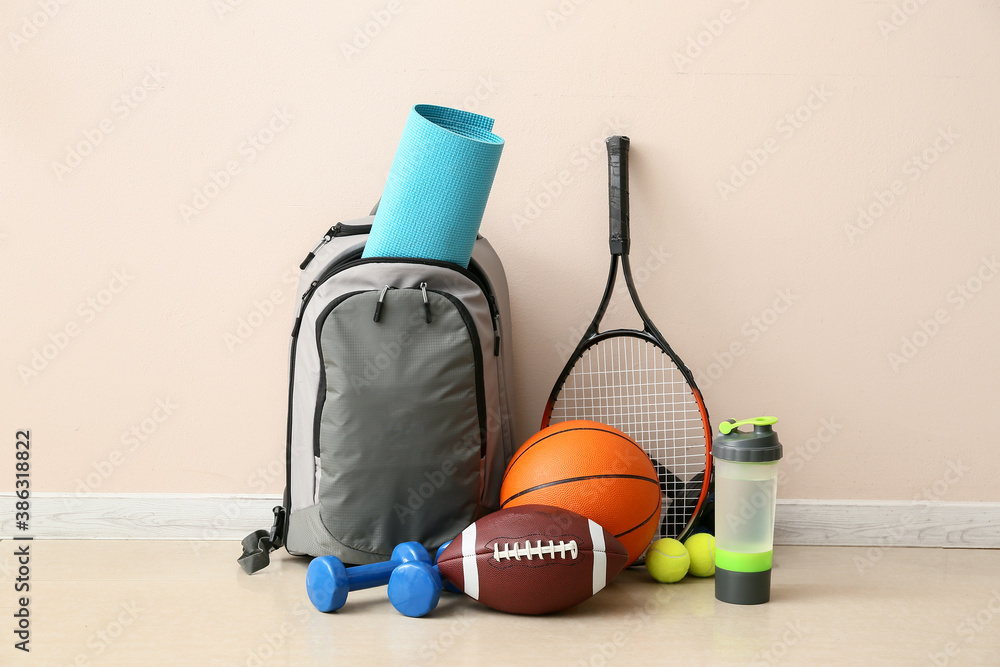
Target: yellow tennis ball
[[701, 549], [667, 560]]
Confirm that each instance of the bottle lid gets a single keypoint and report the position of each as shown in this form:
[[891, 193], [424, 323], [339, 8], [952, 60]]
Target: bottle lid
[[758, 446]]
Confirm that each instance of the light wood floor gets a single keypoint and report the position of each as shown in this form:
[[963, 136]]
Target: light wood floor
[[188, 603]]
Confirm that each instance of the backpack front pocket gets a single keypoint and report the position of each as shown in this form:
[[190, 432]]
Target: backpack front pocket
[[400, 420]]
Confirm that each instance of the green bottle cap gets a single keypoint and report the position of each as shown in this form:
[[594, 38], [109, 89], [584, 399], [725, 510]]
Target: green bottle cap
[[758, 446], [730, 425]]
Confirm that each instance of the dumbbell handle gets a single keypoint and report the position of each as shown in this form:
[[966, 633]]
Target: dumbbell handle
[[372, 575], [328, 581]]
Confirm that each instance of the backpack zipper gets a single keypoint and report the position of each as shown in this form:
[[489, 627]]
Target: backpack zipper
[[302, 308], [339, 229], [357, 261], [321, 389], [496, 325], [427, 303], [378, 304], [477, 361]]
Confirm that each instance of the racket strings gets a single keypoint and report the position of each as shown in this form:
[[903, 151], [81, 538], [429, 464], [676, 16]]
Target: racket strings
[[632, 384]]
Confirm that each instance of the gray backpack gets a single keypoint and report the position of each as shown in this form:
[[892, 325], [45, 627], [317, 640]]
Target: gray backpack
[[400, 415]]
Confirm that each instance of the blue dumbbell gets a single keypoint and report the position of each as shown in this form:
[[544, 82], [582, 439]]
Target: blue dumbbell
[[328, 582], [415, 588]]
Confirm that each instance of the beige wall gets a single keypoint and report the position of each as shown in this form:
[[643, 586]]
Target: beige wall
[[176, 89]]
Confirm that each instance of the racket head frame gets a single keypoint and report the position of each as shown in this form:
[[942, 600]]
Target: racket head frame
[[650, 335]]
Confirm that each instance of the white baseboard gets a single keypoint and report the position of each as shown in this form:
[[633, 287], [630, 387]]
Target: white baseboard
[[153, 516], [888, 523], [140, 516]]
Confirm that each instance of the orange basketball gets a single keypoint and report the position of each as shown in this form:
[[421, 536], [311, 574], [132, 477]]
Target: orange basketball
[[591, 469]]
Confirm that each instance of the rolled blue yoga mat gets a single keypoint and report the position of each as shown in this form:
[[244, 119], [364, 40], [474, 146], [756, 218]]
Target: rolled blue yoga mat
[[437, 188]]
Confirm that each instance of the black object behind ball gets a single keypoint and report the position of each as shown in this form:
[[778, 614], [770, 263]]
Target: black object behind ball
[[683, 499]]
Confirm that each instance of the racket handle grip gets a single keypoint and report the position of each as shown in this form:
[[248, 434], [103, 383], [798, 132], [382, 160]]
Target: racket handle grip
[[618, 193]]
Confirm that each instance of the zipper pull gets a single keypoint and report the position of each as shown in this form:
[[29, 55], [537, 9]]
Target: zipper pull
[[496, 335], [298, 318], [495, 309], [378, 305], [427, 303], [334, 231]]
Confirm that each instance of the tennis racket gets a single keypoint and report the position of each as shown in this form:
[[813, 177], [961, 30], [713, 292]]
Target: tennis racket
[[634, 381]]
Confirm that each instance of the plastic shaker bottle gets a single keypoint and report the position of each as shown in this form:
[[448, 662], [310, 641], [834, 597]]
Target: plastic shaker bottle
[[746, 483]]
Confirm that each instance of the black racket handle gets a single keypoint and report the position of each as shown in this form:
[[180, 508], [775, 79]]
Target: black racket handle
[[618, 193]]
